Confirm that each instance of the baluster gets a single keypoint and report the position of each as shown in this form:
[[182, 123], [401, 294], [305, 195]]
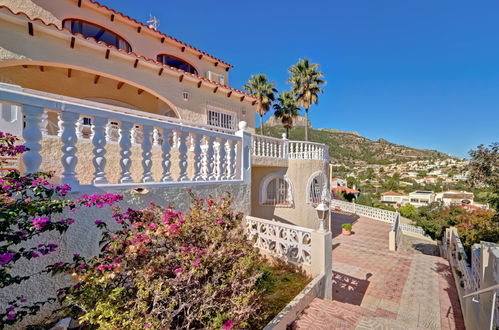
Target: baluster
[[99, 129], [254, 146], [182, 155], [32, 136], [258, 147], [266, 149], [109, 132], [133, 135], [79, 128], [155, 137], [165, 154], [146, 153], [210, 158], [233, 160], [44, 123], [222, 159], [69, 137], [125, 152], [196, 140]]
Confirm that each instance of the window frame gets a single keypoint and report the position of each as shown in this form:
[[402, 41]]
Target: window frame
[[215, 109], [129, 49], [196, 71], [309, 187], [264, 184]]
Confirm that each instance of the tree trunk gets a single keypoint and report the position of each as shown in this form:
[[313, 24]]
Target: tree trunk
[[306, 124], [261, 124], [287, 133]]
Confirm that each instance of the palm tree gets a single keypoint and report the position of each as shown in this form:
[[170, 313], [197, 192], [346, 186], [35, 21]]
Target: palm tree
[[306, 83], [287, 110], [264, 91]]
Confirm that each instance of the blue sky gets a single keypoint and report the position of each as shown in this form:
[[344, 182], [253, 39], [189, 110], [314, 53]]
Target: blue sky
[[420, 73]]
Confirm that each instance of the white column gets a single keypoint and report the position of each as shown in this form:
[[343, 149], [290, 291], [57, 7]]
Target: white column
[[165, 154], [322, 261], [222, 154], [69, 138], [196, 140], [44, 123], [99, 141], [182, 155], [244, 151], [147, 154], [155, 137], [32, 136], [210, 158], [125, 152], [232, 144], [79, 128]]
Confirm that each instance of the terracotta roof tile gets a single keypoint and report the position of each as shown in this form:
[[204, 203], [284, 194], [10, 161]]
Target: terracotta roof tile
[[156, 31], [125, 52]]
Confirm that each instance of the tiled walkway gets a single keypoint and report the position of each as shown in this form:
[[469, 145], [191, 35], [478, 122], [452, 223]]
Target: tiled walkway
[[374, 288]]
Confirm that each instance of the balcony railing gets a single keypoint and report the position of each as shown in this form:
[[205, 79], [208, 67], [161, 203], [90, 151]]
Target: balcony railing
[[121, 147], [270, 147]]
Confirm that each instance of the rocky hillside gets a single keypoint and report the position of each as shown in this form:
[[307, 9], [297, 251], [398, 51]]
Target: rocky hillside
[[352, 149]]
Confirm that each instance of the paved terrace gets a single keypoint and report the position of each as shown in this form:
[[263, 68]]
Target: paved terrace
[[374, 288]]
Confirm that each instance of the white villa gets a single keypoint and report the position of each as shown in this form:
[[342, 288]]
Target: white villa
[[114, 105]]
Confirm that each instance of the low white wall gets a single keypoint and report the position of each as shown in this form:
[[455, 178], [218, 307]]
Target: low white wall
[[290, 313], [83, 236]]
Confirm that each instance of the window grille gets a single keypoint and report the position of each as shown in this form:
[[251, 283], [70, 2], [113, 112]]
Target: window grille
[[221, 119]]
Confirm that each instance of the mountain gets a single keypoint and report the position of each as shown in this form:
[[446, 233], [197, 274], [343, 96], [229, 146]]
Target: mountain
[[350, 148]]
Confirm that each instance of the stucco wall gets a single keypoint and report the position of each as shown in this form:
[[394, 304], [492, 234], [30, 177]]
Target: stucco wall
[[51, 50], [83, 236], [301, 213]]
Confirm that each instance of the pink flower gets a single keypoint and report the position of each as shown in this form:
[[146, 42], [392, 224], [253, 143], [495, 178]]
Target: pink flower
[[101, 267], [229, 324], [40, 222], [99, 222], [220, 222], [11, 317], [6, 257], [152, 226], [178, 270], [148, 325], [34, 255], [196, 263]]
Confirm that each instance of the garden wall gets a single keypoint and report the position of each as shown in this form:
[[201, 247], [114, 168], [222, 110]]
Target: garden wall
[[83, 236]]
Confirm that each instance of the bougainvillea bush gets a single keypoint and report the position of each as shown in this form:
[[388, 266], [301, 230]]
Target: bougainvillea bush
[[31, 206], [164, 269]]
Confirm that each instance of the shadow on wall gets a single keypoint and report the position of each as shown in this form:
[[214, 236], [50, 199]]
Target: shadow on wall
[[348, 289], [338, 219]]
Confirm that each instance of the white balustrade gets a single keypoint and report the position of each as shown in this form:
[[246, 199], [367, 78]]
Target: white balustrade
[[291, 242], [99, 141], [69, 158], [32, 135], [211, 155], [266, 146], [147, 153]]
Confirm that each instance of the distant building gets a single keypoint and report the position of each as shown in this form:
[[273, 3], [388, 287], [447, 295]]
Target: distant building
[[394, 198], [421, 198], [336, 182], [454, 197]]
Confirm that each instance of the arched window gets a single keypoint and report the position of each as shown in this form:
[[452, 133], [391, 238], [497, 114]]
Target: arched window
[[176, 63], [276, 189], [315, 188], [97, 32]]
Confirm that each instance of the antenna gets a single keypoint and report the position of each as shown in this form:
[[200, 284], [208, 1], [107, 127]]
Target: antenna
[[153, 22]]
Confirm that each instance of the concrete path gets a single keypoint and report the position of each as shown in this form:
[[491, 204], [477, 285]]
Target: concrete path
[[374, 288]]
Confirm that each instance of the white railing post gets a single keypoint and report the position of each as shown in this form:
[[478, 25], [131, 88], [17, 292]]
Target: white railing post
[[125, 152], [147, 153], [32, 136], [99, 141], [210, 158], [182, 155], [69, 138], [232, 145], [322, 261], [196, 140], [222, 158], [245, 151], [165, 155], [285, 146]]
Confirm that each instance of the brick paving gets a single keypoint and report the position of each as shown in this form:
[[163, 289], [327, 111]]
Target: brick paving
[[374, 288]]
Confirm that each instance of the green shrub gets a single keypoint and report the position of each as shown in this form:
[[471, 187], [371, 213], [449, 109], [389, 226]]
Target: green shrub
[[346, 226]]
